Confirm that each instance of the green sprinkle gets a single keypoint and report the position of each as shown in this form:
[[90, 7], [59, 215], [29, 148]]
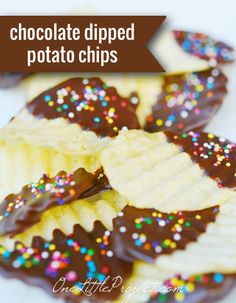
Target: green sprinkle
[[35, 261], [105, 86], [90, 252], [139, 226], [198, 278], [162, 297]]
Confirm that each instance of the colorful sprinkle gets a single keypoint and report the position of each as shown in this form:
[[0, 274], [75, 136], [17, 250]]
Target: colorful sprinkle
[[187, 101], [204, 47]]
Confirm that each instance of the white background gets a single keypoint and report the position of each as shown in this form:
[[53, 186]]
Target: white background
[[215, 17]]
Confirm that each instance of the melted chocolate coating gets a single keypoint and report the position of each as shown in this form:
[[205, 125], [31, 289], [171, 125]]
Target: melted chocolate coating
[[20, 211], [204, 47], [146, 234], [90, 103], [205, 288], [77, 257], [216, 156], [11, 79], [188, 101]]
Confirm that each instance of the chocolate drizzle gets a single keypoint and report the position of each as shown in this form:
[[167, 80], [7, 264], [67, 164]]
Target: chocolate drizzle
[[216, 156], [188, 101], [76, 257], [91, 103], [204, 47], [20, 211], [201, 288], [146, 234]]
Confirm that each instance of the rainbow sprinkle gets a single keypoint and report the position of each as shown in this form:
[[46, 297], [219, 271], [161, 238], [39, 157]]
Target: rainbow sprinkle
[[204, 47]]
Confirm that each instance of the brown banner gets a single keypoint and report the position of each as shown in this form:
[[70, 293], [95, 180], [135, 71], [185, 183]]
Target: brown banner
[[78, 43]]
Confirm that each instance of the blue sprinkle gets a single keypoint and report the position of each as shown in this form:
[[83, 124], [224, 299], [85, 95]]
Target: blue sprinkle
[[186, 45], [210, 85], [21, 260], [47, 98], [104, 103], [60, 201], [65, 106], [70, 242], [101, 277], [83, 250], [51, 273], [138, 242], [90, 275], [79, 285], [96, 119], [90, 263], [218, 278], [171, 118], [46, 245], [6, 254]]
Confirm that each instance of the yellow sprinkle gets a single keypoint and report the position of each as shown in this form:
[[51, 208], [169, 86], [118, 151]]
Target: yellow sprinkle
[[75, 290], [159, 122], [228, 164], [51, 103], [110, 121], [199, 88], [198, 217], [52, 247], [26, 256], [99, 240], [179, 296], [173, 245], [28, 264], [181, 283], [19, 246], [169, 89], [190, 287], [174, 281], [210, 136], [180, 221]]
